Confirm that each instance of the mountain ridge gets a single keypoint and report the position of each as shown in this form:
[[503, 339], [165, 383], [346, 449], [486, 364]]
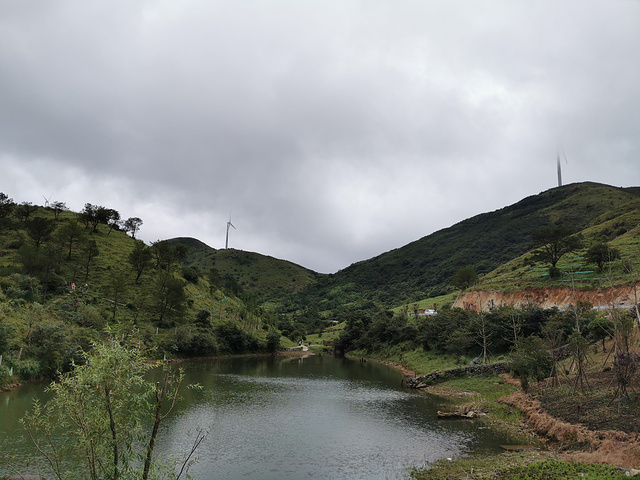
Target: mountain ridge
[[423, 268]]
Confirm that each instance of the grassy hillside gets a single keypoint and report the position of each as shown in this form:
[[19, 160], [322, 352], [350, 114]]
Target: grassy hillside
[[619, 227], [423, 269], [64, 282], [261, 276]]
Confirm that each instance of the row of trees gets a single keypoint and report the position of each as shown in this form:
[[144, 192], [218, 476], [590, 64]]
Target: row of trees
[[535, 339], [91, 215]]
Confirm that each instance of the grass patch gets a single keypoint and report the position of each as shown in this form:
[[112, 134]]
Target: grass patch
[[515, 466], [418, 361]]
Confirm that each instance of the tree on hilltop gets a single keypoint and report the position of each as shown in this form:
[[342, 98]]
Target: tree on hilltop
[[6, 205], [24, 211], [132, 225], [113, 219], [58, 208]]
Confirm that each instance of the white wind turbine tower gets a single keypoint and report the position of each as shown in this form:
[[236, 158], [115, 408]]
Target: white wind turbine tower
[[229, 224], [560, 168], [47, 200]]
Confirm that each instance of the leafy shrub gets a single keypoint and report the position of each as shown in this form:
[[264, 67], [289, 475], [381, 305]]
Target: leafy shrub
[[4, 375], [190, 274], [273, 342], [232, 339], [198, 344], [531, 360], [28, 369]]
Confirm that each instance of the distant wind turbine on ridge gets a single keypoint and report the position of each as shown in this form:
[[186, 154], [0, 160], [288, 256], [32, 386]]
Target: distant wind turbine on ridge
[[560, 168], [47, 200], [229, 224]]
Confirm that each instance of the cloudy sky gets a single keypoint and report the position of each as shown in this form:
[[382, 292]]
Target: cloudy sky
[[329, 131]]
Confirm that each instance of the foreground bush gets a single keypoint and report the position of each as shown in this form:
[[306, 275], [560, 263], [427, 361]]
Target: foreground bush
[[100, 414]]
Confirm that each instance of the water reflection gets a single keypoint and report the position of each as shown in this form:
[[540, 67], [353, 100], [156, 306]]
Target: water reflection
[[290, 418], [317, 417]]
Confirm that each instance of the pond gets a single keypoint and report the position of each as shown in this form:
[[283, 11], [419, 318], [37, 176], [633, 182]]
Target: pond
[[315, 417]]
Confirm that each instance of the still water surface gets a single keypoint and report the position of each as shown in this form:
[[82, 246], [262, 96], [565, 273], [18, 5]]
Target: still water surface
[[317, 417]]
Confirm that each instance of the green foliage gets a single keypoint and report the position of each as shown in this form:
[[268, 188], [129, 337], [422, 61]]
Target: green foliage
[[560, 470], [169, 299], [516, 466], [124, 287], [273, 342], [40, 230], [100, 413], [29, 369], [464, 278], [554, 242], [601, 253], [232, 339], [195, 343], [531, 361], [4, 375], [190, 274], [6, 205]]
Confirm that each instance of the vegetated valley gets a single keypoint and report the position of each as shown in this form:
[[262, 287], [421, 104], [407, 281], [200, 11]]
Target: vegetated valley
[[516, 284]]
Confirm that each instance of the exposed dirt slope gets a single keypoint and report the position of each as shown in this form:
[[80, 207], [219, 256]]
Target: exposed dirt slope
[[623, 296]]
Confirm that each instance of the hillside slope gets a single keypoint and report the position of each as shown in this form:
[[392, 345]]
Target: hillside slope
[[424, 268], [261, 276]]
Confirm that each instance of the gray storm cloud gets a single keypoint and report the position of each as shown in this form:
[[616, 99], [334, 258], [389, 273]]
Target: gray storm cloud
[[330, 131]]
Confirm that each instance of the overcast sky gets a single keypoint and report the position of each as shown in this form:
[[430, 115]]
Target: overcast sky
[[329, 131]]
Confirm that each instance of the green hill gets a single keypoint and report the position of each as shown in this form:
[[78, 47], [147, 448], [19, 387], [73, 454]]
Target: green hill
[[261, 276], [484, 242], [67, 278]]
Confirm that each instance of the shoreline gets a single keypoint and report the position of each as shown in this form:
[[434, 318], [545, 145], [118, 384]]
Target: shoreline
[[556, 438]]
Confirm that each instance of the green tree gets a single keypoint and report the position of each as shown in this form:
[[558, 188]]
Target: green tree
[[40, 230], [601, 328], [554, 242], [100, 412], [464, 278], [24, 211], [6, 205], [167, 254], [531, 360], [113, 219], [69, 234], [169, 298], [601, 253], [87, 214], [58, 208], [89, 252], [273, 342], [132, 225], [140, 258]]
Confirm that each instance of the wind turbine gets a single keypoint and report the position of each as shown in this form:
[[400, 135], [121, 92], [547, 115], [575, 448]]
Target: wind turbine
[[559, 172], [46, 200], [229, 224], [560, 167]]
